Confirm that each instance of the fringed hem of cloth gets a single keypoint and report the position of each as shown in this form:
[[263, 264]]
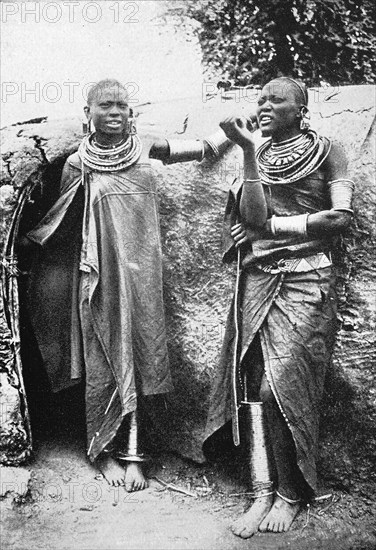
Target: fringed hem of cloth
[[295, 314]]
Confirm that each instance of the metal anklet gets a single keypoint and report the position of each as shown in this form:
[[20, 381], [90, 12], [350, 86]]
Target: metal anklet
[[288, 500], [262, 489], [132, 453], [131, 458]]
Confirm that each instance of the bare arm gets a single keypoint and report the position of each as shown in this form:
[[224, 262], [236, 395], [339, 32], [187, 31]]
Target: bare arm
[[336, 220], [252, 203]]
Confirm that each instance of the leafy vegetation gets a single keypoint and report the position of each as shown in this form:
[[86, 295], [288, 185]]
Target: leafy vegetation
[[250, 41]]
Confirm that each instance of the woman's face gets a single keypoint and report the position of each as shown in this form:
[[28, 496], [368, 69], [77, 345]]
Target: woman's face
[[109, 112], [278, 111]]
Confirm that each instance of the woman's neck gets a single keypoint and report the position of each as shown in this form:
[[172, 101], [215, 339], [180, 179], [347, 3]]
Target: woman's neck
[[107, 140], [286, 135]]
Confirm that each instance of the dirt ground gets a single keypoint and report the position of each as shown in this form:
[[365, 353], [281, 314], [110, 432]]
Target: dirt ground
[[66, 505]]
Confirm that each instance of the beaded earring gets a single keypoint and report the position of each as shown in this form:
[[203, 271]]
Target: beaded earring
[[304, 119]]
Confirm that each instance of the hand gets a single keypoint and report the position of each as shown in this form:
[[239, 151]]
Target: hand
[[238, 129], [246, 235], [241, 234]]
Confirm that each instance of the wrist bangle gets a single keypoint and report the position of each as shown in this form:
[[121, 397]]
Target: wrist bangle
[[341, 192]]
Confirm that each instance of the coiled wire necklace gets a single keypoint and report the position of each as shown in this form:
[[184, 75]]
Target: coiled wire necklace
[[113, 158]]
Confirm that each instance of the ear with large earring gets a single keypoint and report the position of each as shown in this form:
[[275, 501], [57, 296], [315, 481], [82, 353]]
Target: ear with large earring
[[304, 119], [131, 126]]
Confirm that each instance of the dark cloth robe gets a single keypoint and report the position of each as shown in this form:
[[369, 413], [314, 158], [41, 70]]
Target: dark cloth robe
[[95, 295]]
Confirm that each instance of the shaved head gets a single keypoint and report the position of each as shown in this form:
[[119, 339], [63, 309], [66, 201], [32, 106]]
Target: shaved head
[[96, 91]]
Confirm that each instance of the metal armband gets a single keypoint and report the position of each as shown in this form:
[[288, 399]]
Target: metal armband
[[218, 143], [341, 192], [184, 150], [292, 225]]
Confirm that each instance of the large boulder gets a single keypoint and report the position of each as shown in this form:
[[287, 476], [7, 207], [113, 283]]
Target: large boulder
[[198, 287]]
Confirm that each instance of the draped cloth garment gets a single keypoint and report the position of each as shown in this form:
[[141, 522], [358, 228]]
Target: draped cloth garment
[[294, 314], [95, 296]]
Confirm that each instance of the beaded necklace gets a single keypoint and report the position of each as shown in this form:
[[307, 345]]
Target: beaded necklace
[[290, 160], [111, 158]]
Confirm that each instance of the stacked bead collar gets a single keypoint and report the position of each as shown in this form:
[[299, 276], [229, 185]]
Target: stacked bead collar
[[111, 158], [291, 160]]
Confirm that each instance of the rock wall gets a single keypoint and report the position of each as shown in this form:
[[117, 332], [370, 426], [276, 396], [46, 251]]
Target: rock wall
[[198, 288]]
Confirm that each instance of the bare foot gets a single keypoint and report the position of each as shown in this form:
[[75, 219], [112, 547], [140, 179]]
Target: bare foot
[[248, 524], [111, 470], [280, 516], [134, 478]]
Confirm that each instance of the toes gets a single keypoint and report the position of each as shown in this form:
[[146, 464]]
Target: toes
[[238, 532], [137, 485], [141, 485], [237, 528], [242, 531], [263, 527]]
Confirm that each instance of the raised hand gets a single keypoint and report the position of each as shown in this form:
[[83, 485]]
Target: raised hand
[[239, 130]]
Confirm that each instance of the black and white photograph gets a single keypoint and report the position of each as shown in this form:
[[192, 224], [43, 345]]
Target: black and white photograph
[[188, 275]]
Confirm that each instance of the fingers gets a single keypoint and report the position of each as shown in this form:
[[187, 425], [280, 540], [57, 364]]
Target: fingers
[[234, 122], [237, 230], [239, 235], [251, 126], [241, 241]]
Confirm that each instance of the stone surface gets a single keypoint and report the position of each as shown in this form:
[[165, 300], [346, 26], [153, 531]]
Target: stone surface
[[198, 288]]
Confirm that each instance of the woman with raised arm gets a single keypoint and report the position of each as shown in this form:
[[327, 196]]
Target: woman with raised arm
[[273, 367]]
